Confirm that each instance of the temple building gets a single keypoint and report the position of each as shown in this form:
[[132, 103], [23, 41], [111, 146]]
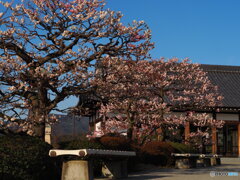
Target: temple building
[[225, 141]]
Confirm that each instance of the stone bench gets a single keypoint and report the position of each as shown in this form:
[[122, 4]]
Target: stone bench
[[188, 160], [206, 160], [115, 163], [185, 161]]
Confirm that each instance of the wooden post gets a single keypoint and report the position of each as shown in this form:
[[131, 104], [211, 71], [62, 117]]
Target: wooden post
[[214, 140], [238, 139], [187, 132]]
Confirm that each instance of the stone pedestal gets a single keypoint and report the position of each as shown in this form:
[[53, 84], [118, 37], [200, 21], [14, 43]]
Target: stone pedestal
[[185, 163], [77, 170], [115, 169]]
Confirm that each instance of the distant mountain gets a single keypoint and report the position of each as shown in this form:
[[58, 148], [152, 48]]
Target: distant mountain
[[68, 125]]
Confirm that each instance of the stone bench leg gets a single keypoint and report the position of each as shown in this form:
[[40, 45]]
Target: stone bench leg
[[77, 170], [207, 162], [218, 160], [200, 162], [204, 162], [213, 161], [115, 169], [185, 163]]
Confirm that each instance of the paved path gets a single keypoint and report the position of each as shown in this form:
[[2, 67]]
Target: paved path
[[190, 174]]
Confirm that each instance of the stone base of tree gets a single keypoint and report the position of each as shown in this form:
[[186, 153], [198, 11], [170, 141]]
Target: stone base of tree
[[77, 169]]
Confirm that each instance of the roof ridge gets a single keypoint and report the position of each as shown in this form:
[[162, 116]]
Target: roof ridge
[[224, 71], [220, 68], [219, 65]]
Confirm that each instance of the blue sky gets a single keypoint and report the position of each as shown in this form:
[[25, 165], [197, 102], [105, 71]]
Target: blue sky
[[206, 31]]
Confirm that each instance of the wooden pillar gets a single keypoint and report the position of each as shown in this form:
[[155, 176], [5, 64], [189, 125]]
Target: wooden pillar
[[214, 135], [187, 132], [214, 140], [238, 139], [159, 134]]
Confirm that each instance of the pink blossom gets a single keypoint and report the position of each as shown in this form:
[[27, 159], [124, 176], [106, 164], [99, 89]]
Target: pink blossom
[[47, 55], [137, 92], [131, 45]]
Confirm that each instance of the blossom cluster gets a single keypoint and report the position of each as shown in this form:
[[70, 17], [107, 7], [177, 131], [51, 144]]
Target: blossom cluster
[[141, 95], [49, 48]]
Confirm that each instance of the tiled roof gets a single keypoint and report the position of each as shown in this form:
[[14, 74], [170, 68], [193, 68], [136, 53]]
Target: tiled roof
[[227, 78]]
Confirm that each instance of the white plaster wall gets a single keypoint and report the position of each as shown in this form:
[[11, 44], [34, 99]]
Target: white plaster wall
[[178, 114], [227, 117], [98, 126], [219, 116], [209, 114], [184, 114], [48, 130]]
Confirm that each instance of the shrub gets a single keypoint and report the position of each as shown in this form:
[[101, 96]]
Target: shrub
[[81, 143], [182, 148], [116, 143], [157, 153], [26, 157]]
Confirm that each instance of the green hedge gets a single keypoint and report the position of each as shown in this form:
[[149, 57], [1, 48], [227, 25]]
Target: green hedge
[[81, 143], [26, 158]]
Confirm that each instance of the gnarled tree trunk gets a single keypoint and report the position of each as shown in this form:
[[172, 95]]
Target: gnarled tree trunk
[[38, 120], [38, 113]]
